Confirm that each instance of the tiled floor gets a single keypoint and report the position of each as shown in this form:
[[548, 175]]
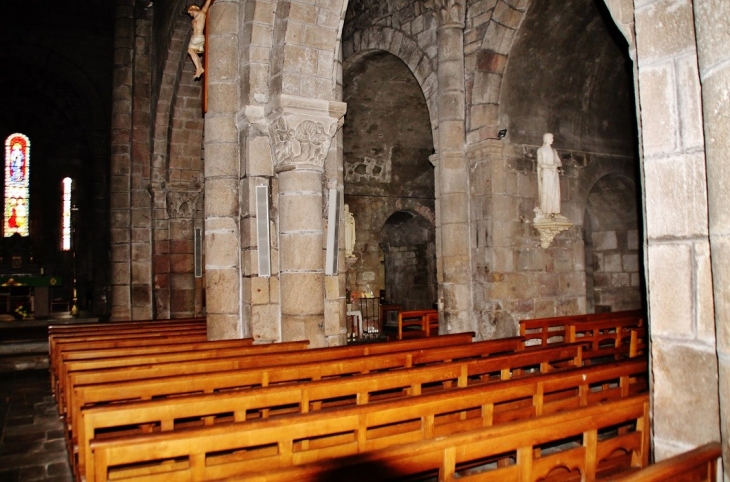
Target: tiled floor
[[32, 446]]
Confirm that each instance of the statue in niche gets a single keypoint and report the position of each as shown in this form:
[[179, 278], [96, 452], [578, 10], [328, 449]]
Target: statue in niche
[[197, 41], [548, 178], [349, 232]]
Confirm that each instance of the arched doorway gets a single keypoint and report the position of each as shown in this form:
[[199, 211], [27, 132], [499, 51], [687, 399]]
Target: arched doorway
[[612, 237], [409, 258], [387, 141]]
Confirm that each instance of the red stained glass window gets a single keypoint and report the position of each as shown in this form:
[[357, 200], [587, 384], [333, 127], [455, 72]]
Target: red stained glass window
[[17, 185]]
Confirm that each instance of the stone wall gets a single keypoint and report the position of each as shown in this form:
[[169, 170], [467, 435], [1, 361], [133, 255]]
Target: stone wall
[[157, 172]]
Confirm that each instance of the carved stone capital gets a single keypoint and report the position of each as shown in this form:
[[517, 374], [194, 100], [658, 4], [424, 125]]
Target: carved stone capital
[[448, 13], [302, 129], [182, 203]]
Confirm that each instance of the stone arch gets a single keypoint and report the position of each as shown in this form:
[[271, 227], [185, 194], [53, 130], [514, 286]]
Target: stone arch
[[405, 48], [304, 56], [596, 171], [496, 46], [172, 78]]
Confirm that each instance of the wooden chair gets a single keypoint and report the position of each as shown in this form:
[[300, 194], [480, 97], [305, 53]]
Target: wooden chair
[[413, 324]]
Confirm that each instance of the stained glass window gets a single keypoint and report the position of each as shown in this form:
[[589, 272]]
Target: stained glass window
[[17, 177], [66, 215]]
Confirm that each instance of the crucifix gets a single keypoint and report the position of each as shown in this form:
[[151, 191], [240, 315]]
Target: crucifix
[[199, 37]]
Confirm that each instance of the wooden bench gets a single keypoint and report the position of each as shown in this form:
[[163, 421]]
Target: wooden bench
[[129, 363], [87, 376], [86, 396], [172, 338], [389, 433], [242, 405], [415, 323], [462, 456], [76, 328], [605, 335], [265, 369], [120, 337], [697, 465], [548, 330], [117, 330], [154, 346]]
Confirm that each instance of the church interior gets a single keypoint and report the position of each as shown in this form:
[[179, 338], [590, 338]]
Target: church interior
[[339, 163]]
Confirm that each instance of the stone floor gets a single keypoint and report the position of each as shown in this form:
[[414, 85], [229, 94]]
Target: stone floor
[[32, 445]]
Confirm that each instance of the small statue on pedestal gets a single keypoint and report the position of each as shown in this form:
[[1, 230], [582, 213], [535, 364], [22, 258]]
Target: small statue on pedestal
[[548, 220]]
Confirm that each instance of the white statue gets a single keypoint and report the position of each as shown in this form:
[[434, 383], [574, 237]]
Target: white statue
[[349, 232], [548, 179]]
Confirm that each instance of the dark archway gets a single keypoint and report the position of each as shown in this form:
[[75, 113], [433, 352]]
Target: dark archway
[[614, 273], [409, 258], [387, 144]]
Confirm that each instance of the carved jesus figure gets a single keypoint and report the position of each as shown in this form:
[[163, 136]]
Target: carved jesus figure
[[548, 179], [197, 41]]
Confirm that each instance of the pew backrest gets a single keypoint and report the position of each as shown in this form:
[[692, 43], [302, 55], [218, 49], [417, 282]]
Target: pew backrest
[[313, 396], [697, 465], [485, 404], [199, 447], [162, 369]]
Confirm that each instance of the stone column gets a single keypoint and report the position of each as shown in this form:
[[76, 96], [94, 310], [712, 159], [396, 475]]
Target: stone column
[[301, 130], [712, 24], [120, 163], [678, 257], [223, 171], [452, 172]]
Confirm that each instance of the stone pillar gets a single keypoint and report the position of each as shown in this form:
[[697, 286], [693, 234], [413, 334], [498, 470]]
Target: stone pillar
[[223, 171], [121, 132], [712, 24], [452, 172], [301, 130], [678, 262]]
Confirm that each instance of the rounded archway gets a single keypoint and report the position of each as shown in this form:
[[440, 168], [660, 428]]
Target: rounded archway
[[614, 279], [409, 259], [387, 141]]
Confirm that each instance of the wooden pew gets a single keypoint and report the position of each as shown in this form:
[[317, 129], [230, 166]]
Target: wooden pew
[[607, 336], [321, 441], [540, 331], [117, 330], [242, 405], [86, 396], [128, 363], [697, 465], [208, 376], [239, 361], [78, 328], [461, 456], [154, 346], [170, 338], [414, 324], [104, 337]]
